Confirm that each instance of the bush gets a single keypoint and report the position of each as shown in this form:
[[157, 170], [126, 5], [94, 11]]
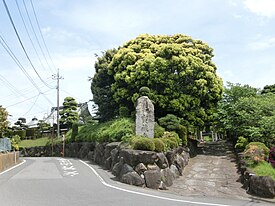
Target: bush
[[255, 152], [144, 91], [171, 140], [158, 131], [15, 142], [159, 145], [241, 143], [170, 122], [116, 130], [74, 131], [271, 157], [21, 133], [124, 112], [182, 132], [143, 143]]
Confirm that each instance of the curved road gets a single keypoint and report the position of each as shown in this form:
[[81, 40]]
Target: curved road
[[59, 181]]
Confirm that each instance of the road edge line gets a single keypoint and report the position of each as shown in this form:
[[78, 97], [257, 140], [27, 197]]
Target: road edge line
[[144, 194], [11, 168]]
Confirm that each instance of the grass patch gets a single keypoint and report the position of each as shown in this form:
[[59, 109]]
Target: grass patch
[[34, 142], [264, 169]]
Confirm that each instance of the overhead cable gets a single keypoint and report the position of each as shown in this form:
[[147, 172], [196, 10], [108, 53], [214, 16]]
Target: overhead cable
[[22, 46]]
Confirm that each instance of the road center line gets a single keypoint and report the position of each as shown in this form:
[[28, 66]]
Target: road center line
[[11, 168], [144, 194]]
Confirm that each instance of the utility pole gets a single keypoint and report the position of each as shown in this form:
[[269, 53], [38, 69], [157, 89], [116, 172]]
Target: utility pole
[[57, 77]]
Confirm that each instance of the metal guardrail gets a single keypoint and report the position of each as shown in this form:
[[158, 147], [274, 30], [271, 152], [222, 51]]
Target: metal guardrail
[[5, 144]]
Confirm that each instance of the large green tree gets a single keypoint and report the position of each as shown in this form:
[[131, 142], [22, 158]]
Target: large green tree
[[178, 70], [68, 113], [3, 120], [101, 87], [268, 89], [243, 111]]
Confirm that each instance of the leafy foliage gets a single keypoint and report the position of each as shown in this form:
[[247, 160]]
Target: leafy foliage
[[101, 87], [3, 120], [110, 131], [271, 156], [68, 113], [159, 145], [15, 142], [255, 152], [241, 143], [74, 131], [177, 69], [245, 112], [143, 143], [158, 131], [268, 89], [264, 169]]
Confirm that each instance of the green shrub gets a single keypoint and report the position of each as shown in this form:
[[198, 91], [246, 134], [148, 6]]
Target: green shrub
[[15, 142], [21, 133], [74, 132], [143, 143], [182, 132], [158, 131], [255, 152], [159, 145], [124, 112], [144, 91], [241, 143], [116, 130], [171, 140], [264, 169], [170, 122]]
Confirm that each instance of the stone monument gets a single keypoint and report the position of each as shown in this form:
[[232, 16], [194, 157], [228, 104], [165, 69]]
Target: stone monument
[[145, 119]]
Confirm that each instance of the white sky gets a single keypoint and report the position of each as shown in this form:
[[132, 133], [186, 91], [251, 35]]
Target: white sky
[[241, 32]]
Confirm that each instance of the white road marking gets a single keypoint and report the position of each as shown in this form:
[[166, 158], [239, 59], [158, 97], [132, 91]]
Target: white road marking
[[68, 168], [148, 195], [11, 168]]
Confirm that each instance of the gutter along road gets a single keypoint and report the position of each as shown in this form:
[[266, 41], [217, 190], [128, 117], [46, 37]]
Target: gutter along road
[[62, 181]]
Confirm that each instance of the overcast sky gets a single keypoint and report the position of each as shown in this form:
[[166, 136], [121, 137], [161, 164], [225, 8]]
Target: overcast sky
[[241, 32]]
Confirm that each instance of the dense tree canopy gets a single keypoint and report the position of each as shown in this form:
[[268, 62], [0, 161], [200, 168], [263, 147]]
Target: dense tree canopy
[[269, 89], [245, 112], [68, 113], [178, 70], [101, 87]]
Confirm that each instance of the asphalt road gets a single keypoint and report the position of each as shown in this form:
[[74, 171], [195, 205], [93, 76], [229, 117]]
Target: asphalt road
[[60, 182]]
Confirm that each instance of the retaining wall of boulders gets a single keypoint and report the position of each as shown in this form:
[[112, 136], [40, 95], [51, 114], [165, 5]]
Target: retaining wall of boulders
[[262, 186], [134, 167]]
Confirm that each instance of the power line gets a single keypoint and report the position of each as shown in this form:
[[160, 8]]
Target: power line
[[32, 105], [9, 51], [25, 26], [21, 43], [39, 29], [33, 30]]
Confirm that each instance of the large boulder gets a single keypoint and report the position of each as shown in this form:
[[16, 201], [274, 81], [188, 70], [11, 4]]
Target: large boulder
[[109, 147], [167, 177], [170, 155], [134, 157], [162, 161], [174, 171], [263, 186], [99, 153], [179, 163], [152, 178], [125, 169], [140, 168], [117, 168], [132, 178]]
